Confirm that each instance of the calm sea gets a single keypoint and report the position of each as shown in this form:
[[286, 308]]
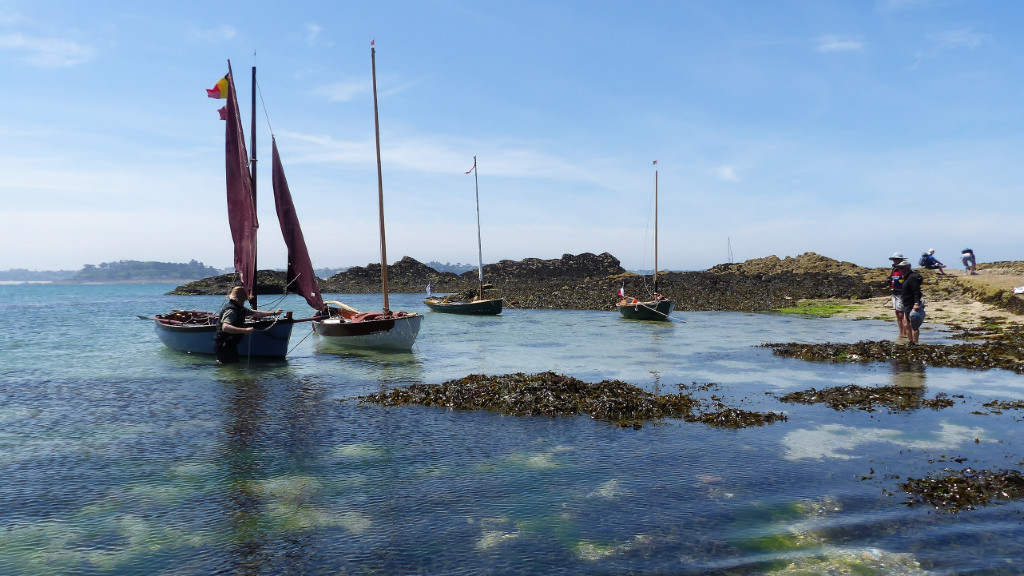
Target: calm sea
[[119, 456]]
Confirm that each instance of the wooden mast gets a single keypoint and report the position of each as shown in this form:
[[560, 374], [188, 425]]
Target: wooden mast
[[655, 233], [380, 183], [252, 183], [479, 242]]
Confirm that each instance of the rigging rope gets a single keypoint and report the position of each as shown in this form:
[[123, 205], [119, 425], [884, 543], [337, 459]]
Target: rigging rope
[[301, 341]]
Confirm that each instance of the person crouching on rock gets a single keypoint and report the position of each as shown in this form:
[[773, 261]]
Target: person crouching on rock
[[969, 261], [232, 325]]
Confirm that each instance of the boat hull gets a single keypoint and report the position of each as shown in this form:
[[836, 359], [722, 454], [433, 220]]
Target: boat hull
[[391, 333], [476, 307], [650, 310], [269, 339]]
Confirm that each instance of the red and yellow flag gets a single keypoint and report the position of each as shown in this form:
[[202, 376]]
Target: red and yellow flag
[[220, 90]]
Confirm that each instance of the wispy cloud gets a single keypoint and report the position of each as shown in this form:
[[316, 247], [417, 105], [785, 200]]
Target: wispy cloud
[[953, 40], [837, 44], [726, 173], [45, 52], [342, 91], [313, 36], [957, 39], [212, 35]]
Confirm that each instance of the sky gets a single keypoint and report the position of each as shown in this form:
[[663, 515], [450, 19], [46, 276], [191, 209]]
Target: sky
[[852, 129]]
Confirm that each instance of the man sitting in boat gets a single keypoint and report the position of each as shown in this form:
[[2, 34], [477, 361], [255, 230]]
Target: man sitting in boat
[[232, 326]]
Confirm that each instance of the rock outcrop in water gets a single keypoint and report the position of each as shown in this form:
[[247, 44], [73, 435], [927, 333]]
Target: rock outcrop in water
[[590, 281]]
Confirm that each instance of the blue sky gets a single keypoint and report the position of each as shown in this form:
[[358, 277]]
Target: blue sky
[[849, 128]]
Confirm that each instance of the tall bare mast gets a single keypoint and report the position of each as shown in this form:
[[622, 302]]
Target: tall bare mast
[[655, 231], [380, 183], [479, 242]]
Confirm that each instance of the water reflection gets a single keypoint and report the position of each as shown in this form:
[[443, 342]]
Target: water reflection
[[246, 414], [376, 367], [908, 374]]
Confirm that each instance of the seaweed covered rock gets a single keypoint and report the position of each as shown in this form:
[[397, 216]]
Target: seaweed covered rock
[[1003, 349], [591, 281], [406, 275], [545, 394], [551, 394], [956, 490], [267, 282], [869, 398]]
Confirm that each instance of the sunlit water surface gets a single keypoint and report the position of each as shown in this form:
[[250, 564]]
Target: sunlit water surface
[[119, 456]]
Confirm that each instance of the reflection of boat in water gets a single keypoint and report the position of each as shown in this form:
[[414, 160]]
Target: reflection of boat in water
[[478, 306], [194, 330], [658, 307], [346, 326]]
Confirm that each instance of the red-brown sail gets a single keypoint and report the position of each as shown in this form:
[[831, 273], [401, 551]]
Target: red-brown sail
[[300, 279], [241, 204]]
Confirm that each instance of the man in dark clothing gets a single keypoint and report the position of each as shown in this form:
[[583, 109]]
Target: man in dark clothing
[[232, 326], [913, 299]]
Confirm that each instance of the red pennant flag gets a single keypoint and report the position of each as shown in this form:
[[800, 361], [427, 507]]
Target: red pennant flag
[[223, 112], [219, 90], [655, 162]]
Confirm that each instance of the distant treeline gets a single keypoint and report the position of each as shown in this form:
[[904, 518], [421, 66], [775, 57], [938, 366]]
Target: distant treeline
[[135, 271], [449, 267], [23, 275]]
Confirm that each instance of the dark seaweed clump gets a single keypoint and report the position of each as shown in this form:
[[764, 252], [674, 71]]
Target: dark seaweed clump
[[955, 490], [997, 406], [869, 398], [1004, 351], [550, 394]]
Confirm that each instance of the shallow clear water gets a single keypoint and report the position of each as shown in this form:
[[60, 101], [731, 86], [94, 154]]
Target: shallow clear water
[[119, 456]]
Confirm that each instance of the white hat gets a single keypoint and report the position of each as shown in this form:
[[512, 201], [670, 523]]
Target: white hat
[[931, 250], [896, 256]]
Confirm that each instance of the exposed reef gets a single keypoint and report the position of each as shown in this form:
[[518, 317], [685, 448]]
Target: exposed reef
[[551, 394], [1003, 348]]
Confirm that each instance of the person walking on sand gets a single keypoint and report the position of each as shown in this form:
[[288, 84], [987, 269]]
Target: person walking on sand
[[913, 300], [969, 261], [895, 283]]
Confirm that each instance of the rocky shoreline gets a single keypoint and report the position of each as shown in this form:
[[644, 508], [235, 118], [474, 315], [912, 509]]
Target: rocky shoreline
[[590, 282]]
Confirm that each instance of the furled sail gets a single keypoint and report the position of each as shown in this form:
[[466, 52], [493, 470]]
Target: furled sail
[[301, 278], [241, 204]]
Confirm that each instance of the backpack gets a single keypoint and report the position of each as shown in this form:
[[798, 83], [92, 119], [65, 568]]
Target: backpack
[[924, 259], [896, 280]]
